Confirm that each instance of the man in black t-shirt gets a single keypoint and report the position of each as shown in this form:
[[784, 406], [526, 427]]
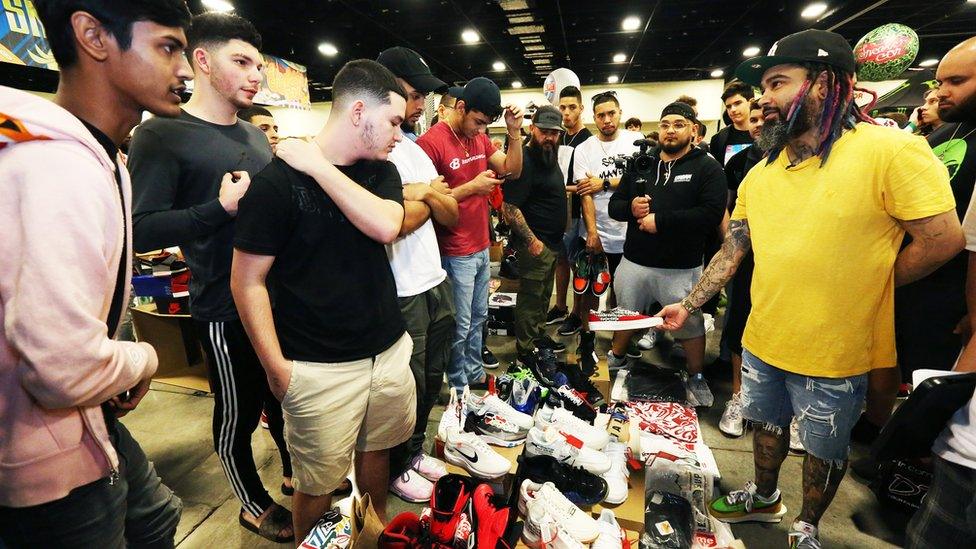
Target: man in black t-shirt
[[534, 207], [312, 230], [732, 139]]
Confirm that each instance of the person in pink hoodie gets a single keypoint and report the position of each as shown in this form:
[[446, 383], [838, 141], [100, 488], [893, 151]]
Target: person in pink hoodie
[[71, 475]]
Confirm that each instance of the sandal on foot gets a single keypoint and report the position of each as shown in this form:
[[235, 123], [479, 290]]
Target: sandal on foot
[[344, 489], [277, 520]]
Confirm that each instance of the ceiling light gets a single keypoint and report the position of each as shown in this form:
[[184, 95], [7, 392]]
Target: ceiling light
[[718, 73], [631, 23], [498, 66], [219, 5], [516, 84], [751, 51], [328, 49], [619, 58], [815, 9], [613, 79], [469, 36], [929, 63]]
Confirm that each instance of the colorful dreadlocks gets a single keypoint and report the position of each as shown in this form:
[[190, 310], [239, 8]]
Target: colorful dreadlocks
[[839, 113]]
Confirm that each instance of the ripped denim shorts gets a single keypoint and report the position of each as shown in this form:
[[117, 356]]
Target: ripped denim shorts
[[826, 408]]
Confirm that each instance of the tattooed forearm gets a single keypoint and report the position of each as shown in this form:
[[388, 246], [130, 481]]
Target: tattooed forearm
[[769, 448], [935, 240], [820, 481], [516, 221], [722, 267]]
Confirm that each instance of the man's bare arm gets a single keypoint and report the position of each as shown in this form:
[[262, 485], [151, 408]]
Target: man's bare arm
[[935, 240], [516, 221], [722, 267]]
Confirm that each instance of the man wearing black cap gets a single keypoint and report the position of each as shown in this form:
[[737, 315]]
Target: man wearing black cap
[[824, 214], [669, 208], [534, 208], [423, 291], [473, 169]]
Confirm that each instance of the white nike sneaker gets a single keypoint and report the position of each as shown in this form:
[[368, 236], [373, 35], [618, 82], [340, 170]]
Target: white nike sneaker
[[616, 477], [647, 341], [579, 524], [796, 445], [566, 448], [564, 420], [429, 467], [612, 536], [542, 531], [491, 403], [468, 451], [453, 417], [732, 424]]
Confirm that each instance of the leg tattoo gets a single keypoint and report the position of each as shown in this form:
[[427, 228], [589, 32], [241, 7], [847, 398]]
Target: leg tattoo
[[820, 481], [770, 445]]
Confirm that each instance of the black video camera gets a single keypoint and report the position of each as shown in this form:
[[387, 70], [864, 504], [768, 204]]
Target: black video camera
[[639, 163]]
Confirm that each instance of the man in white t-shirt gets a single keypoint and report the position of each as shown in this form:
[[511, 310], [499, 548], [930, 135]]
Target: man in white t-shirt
[[424, 291], [947, 517], [597, 176]]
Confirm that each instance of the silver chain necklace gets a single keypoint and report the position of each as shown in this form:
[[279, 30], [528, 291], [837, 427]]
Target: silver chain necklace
[[952, 144]]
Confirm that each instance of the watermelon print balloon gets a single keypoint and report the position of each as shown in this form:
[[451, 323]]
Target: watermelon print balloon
[[885, 52]]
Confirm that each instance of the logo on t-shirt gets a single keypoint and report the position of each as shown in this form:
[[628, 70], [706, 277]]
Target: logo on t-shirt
[[952, 153], [455, 164], [682, 178]]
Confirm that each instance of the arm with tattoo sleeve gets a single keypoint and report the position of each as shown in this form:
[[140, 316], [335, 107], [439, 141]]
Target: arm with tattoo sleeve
[[935, 240], [722, 267], [516, 221]]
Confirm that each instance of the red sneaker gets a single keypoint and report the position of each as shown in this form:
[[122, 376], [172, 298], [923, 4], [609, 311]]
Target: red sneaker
[[489, 517], [449, 500], [622, 319], [581, 272], [403, 532], [600, 274]]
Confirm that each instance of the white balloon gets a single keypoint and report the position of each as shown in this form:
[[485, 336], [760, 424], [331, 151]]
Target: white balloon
[[556, 81]]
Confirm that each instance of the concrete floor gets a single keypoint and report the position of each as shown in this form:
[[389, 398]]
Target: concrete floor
[[173, 426]]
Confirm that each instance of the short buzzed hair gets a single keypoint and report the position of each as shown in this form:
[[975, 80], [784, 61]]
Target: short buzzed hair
[[572, 91], [367, 80], [250, 112], [215, 29]]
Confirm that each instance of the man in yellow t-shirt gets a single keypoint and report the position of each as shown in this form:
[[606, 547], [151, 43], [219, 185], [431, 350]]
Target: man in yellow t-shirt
[[824, 214]]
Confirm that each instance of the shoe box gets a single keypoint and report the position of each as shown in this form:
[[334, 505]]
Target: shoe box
[[501, 313]]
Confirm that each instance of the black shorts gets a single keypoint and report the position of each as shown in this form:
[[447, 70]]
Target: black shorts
[[740, 305], [926, 313]]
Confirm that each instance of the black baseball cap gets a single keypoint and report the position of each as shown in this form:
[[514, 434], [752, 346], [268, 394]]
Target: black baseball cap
[[480, 94], [408, 65], [681, 109], [808, 46], [547, 117]]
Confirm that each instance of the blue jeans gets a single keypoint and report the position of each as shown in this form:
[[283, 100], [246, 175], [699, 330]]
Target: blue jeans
[[469, 276], [138, 510], [826, 408]]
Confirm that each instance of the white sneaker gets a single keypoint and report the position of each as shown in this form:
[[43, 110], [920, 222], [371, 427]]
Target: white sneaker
[[732, 423], [429, 467], [647, 341], [412, 487], [564, 420], [468, 451], [804, 535], [612, 536], [699, 389], [541, 529], [453, 417], [616, 477], [709, 323], [491, 403], [566, 448], [796, 445], [615, 363], [579, 524]]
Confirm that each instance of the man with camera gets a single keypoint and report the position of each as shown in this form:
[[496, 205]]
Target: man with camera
[[670, 199]]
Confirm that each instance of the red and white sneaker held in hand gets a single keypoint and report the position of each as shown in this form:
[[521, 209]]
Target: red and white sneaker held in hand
[[622, 319]]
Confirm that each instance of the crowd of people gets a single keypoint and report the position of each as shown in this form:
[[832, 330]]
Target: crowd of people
[[338, 281]]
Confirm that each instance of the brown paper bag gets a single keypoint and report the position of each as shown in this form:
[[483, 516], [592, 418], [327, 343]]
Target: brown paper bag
[[366, 525]]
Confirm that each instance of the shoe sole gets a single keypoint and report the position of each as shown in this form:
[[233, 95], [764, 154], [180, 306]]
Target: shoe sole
[[619, 325], [556, 320], [464, 464], [565, 333], [500, 442], [491, 366], [730, 435], [406, 498], [754, 517]]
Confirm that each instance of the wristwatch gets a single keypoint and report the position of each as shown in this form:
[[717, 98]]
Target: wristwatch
[[606, 184], [688, 306]]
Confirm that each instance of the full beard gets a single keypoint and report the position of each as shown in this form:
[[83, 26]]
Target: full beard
[[962, 112], [544, 154], [776, 134], [673, 147]]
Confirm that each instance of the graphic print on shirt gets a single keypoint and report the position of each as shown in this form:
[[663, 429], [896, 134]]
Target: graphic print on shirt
[[952, 153]]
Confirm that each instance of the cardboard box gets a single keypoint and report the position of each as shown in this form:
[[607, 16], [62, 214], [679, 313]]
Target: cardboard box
[[181, 357]]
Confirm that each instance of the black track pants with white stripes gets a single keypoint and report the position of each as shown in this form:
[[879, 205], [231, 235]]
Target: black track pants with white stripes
[[240, 392]]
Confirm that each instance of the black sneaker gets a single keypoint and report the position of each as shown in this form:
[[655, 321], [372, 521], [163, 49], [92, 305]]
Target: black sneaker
[[503, 387], [570, 326], [488, 358], [494, 429], [582, 383], [563, 395], [483, 385], [546, 341], [580, 486], [542, 364], [587, 353], [633, 351], [509, 268], [556, 315]]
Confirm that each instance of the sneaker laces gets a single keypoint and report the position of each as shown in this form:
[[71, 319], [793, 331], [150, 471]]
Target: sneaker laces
[[571, 395], [745, 496]]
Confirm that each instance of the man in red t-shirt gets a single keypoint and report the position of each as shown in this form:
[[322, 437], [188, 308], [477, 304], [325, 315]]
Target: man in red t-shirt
[[473, 168]]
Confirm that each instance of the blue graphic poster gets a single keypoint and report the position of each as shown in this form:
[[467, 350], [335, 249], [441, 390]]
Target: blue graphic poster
[[22, 38]]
